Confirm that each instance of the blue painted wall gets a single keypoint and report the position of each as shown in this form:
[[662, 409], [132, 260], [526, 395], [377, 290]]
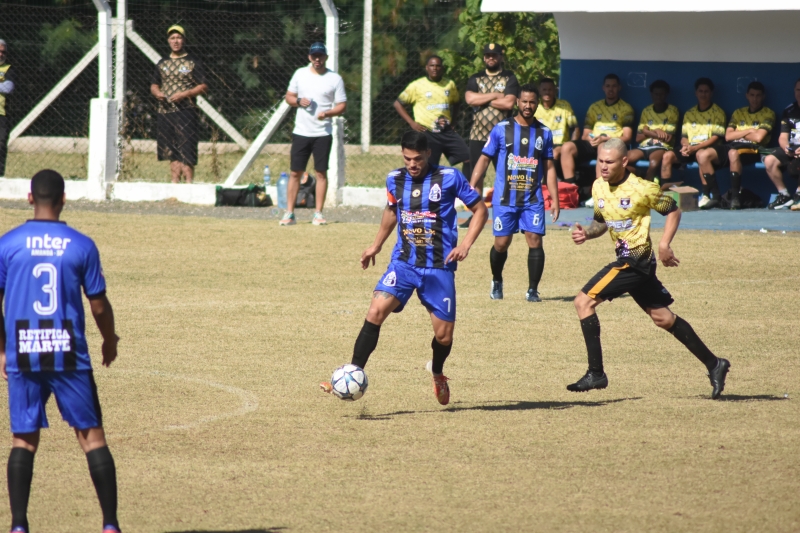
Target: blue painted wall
[[581, 82]]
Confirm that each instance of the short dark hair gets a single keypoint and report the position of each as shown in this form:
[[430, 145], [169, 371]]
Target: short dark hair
[[704, 81], [529, 88], [47, 187], [434, 56], [659, 84], [756, 85], [414, 140], [546, 80], [612, 76]]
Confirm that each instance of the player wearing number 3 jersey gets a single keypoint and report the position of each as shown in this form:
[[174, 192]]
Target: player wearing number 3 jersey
[[421, 204], [43, 266]]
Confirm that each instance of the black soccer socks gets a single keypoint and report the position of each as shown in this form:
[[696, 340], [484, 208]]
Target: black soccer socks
[[711, 188], [497, 260], [684, 333], [591, 334], [20, 474], [440, 354], [365, 344], [104, 477], [535, 267], [736, 182]]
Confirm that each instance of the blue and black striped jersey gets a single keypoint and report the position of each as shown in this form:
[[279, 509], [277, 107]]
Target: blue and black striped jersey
[[43, 265], [427, 227], [522, 152]]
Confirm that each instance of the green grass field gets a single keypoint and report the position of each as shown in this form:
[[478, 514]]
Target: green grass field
[[363, 170], [214, 417]]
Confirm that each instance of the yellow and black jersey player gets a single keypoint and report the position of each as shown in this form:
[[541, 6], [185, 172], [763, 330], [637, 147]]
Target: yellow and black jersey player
[[622, 207]]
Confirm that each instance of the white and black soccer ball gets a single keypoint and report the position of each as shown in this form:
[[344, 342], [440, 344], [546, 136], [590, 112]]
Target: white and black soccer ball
[[349, 382]]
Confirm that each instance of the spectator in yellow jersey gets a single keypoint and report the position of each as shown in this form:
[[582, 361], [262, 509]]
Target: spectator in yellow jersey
[[657, 128], [610, 118], [703, 127], [787, 154], [435, 104], [6, 88], [748, 131], [557, 115]]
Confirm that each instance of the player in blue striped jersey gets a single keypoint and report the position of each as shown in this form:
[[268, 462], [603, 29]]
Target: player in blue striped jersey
[[43, 266], [523, 147], [421, 203]]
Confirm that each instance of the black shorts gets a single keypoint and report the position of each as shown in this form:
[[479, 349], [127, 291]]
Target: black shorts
[[448, 143], [615, 279], [178, 136], [304, 147], [475, 152], [586, 152], [746, 155], [792, 164]]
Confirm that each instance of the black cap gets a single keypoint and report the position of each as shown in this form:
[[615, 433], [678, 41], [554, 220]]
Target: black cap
[[492, 48], [317, 48]]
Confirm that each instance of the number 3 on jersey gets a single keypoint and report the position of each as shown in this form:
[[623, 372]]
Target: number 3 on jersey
[[50, 288]]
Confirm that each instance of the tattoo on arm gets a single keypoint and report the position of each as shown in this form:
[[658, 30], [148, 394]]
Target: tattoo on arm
[[382, 294], [595, 230]]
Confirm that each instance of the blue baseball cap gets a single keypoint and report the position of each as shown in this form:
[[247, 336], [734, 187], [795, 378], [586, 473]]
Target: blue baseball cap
[[317, 48]]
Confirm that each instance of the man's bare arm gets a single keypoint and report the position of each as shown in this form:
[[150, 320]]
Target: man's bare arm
[[505, 103], [478, 170], [104, 318], [478, 99], [388, 222], [596, 229]]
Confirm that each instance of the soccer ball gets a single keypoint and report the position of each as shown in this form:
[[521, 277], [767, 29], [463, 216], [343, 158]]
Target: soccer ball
[[349, 382]]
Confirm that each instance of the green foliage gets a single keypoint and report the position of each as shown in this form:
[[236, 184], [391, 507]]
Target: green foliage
[[530, 41], [64, 40]]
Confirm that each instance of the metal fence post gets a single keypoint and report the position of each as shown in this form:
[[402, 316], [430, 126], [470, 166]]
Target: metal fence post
[[337, 159], [366, 79]]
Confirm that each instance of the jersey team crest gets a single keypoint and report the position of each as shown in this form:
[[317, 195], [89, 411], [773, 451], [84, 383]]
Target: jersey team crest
[[391, 279], [498, 224], [538, 144], [436, 193]]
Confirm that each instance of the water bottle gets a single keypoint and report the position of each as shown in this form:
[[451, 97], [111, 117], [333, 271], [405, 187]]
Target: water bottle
[[267, 177], [283, 184]]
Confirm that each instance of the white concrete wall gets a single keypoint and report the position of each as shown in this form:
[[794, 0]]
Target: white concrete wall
[[685, 37]]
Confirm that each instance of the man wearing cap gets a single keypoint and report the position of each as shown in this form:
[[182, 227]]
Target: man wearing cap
[[492, 94], [6, 88], [435, 100], [176, 83], [318, 94]]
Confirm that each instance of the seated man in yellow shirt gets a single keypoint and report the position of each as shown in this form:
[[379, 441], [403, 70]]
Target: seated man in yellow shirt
[[703, 127], [435, 102], [747, 133], [610, 118], [557, 115], [656, 132]]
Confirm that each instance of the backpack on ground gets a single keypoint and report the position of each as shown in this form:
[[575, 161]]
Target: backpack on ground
[[749, 200], [250, 196], [567, 195], [307, 194]]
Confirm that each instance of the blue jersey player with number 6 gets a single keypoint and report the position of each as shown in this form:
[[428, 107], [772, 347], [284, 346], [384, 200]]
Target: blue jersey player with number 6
[[523, 148], [43, 350], [421, 203]]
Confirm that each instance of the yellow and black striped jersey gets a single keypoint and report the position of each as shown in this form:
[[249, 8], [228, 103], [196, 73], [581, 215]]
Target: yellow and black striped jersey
[[431, 100], [608, 120], [560, 119], [625, 209], [743, 119], [699, 126], [666, 121]]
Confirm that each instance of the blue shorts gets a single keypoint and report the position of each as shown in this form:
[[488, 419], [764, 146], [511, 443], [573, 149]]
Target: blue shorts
[[436, 288], [509, 220], [76, 396]]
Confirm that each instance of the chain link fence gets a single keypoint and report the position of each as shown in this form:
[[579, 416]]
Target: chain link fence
[[249, 50]]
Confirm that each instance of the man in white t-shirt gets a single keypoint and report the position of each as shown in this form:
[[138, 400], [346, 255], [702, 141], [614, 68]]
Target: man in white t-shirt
[[318, 94]]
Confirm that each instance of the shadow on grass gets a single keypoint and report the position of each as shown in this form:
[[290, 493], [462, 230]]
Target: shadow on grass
[[498, 406], [269, 530], [572, 298], [751, 398]]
